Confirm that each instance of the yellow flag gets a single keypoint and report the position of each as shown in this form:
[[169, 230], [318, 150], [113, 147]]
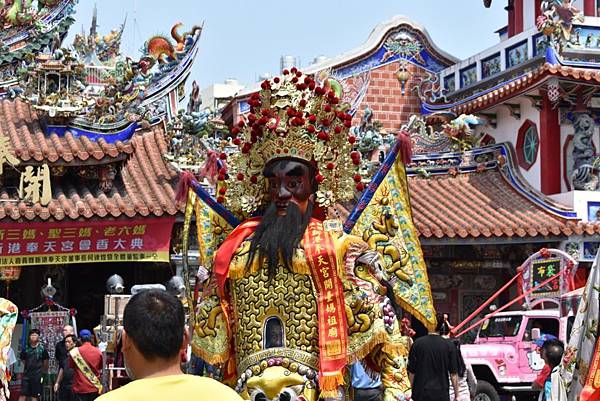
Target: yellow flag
[[386, 224]]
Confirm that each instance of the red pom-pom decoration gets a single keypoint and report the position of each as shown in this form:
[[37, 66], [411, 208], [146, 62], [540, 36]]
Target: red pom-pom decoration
[[254, 179], [222, 190], [220, 199], [319, 178], [223, 156], [240, 177], [352, 139], [330, 166], [357, 178], [360, 186]]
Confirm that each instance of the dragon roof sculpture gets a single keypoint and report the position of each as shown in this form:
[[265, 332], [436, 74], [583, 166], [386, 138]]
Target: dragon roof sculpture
[[89, 87]]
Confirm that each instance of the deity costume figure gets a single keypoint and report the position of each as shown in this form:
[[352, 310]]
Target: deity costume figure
[[294, 300]]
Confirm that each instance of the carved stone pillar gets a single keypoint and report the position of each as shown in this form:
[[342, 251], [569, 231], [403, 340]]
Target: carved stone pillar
[[584, 175]]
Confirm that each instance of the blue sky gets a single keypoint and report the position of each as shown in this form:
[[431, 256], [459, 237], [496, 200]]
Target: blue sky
[[244, 38]]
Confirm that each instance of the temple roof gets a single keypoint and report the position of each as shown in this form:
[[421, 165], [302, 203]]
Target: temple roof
[[480, 205], [30, 143], [518, 85], [143, 186], [481, 194]]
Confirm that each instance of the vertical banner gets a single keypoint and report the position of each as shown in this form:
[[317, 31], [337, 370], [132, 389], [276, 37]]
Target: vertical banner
[[580, 369], [50, 325]]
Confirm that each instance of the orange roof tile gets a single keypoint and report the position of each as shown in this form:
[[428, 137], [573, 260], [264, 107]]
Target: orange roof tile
[[20, 123], [480, 205], [143, 186]]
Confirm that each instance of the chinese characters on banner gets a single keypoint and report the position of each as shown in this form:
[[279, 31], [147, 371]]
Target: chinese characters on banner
[[43, 243], [50, 325], [542, 270]]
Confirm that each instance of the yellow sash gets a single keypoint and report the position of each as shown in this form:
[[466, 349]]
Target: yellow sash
[[85, 369]]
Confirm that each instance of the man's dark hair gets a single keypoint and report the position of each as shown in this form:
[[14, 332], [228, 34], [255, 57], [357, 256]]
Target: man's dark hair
[[441, 326], [552, 341], [554, 354], [72, 337], [154, 320], [34, 331]]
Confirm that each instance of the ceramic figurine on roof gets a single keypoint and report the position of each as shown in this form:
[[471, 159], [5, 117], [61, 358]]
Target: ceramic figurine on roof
[[97, 49], [54, 85], [556, 21], [29, 27], [102, 92], [459, 130], [192, 136], [368, 134], [287, 310]]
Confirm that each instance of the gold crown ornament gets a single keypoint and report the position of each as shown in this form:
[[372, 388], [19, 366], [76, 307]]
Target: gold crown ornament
[[292, 117]]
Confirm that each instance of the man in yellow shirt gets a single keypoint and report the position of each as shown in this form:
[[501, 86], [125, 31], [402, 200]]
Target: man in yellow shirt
[[153, 339]]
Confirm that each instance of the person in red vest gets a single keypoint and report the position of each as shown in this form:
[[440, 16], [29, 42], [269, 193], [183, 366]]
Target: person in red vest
[[86, 362]]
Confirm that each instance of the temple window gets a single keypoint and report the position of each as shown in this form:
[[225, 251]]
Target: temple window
[[273, 333], [528, 143]]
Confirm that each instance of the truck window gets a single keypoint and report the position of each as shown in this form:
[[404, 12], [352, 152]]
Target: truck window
[[546, 326], [501, 326]]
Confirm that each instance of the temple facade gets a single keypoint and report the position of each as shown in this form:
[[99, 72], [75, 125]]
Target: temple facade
[[504, 142]]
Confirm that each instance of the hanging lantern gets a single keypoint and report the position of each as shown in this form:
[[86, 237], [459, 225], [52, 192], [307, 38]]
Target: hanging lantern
[[402, 75], [10, 273]]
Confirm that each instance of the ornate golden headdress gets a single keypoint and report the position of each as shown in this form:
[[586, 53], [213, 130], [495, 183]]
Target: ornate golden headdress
[[292, 117]]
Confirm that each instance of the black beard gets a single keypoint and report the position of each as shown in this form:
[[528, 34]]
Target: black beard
[[278, 236]]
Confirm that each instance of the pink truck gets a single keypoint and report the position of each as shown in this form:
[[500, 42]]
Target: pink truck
[[504, 357]]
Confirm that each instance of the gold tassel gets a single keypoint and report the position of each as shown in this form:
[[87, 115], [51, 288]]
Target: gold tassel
[[329, 385], [212, 359], [378, 338]]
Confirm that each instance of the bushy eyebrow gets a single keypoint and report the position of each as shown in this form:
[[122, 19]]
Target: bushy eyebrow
[[297, 171]]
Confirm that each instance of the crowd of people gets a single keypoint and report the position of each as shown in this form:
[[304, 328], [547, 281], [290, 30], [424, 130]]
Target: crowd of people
[[79, 362], [154, 338]]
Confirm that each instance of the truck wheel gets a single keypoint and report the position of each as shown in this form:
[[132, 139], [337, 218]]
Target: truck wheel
[[486, 392]]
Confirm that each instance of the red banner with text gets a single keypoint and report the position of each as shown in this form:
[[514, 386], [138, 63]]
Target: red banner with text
[[42, 243]]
